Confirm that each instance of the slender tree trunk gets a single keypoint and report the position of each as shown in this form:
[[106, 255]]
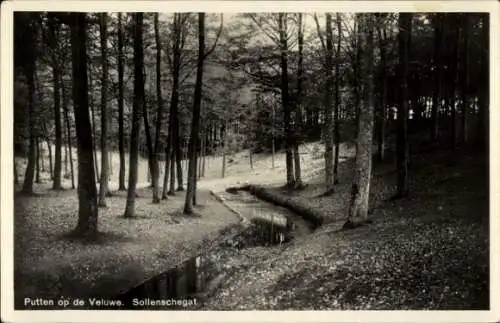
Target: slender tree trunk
[[173, 159], [149, 143], [91, 103], [383, 100], [328, 128], [159, 115], [56, 184], [66, 171], [87, 192], [465, 79], [273, 143], [282, 25], [103, 188], [360, 192], [42, 158], [178, 155], [29, 71], [121, 135], [51, 168], [455, 87], [483, 131], [136, 114], [402, 137], [68, 132], [195, 127], [168, 158], [16, 173], [438, 75], [53, 29], [37, 176], [298, 108], [224, 140], [337, 102]]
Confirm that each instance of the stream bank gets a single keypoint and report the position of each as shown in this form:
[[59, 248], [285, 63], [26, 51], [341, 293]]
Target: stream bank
[[265, 230]]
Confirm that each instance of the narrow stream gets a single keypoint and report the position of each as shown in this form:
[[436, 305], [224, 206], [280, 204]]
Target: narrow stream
[[185, 286]]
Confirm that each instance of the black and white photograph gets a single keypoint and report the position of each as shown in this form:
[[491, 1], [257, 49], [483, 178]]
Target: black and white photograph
[[284, 160]]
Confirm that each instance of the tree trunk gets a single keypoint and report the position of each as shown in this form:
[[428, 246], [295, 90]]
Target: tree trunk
[[483, 131], [159, 114], [51, 168], [16, 173], [438, 75], [298, 108], [87, 192], [173, 159], [42, 158], [178, 155], [66, 172], [383, 100], [328, 128], [136, 114], [337, 102], [405, 22], [68, 132], [103, 188], [121, 135], [56, 184], [282, 25], [29, 71], [465, 79], [273, 144], [195, 126], [149, 144], [168, 158], [37, 176], [455, 87], [91, 103], [360, 192]]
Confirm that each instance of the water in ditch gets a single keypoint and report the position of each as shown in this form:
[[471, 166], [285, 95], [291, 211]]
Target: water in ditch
[[185, 286]]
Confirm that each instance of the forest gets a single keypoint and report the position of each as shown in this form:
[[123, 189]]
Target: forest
[[137, 130]]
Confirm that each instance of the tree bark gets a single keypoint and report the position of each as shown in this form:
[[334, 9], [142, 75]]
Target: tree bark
[[282, 26], [483, 131], [178, 155], [438, 75], [51, 168], [168, 157], [159, 115], [337, 102], [455, 87], [68, 132], [56, 184], [383, 100], [328, 136], [121, 135], [103, 188], [87, 192], [136, 114], [360, 192], [195, 127], [37, 175], [465, 79], [405, 22], [91, 103], [29, 71], [298, 108]]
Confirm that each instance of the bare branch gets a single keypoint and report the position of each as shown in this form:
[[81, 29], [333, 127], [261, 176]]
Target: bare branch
[[318, 28], [217, 38]]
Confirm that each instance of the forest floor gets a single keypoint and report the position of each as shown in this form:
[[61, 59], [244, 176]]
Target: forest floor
[[427, 251], [49, 263]]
